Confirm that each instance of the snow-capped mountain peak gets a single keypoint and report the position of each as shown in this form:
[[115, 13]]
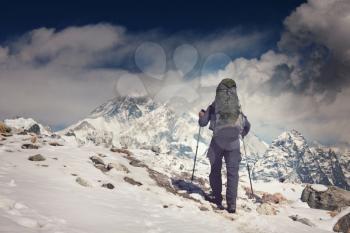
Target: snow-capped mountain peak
[[139, 122], [290, 158]]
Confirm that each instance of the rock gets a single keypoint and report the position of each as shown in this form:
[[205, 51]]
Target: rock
[[29, 146], [34, 129], [137, 163], [273, 198], [55, 144], [162, 180], [118, 167], [333, 213], [70, 133], [132, 181], [165, 206], [343, 224], [97, 160], [7, 134], [108, 185], [37, 157], [302, 220], [82, 182], [4, 128], [155, 149], [266, 209], [332, 198], [33, 139], [101, 167], [124, 151], [203, 208]]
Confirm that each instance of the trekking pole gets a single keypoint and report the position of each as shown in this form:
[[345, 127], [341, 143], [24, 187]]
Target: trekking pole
[[250, 180], [195, 156]]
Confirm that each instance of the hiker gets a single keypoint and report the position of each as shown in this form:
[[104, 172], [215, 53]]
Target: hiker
[[227, 123]]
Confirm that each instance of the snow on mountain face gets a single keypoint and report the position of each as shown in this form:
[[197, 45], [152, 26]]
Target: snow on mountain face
[[290, 158], [139, 122], [25, 124]]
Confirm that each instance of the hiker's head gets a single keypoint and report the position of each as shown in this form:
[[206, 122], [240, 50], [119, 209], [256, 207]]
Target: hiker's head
[[228, 83]]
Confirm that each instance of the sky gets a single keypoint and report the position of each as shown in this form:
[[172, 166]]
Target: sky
[[290, 59]]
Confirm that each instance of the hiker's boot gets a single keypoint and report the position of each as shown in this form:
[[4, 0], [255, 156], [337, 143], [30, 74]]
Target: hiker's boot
[[231, 209], [219, 205]]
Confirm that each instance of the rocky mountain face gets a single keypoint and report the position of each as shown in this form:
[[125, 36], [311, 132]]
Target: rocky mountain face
[[139, 122], [290, 158]]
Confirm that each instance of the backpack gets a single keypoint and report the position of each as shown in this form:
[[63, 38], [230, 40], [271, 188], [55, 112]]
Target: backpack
[[227, 107]]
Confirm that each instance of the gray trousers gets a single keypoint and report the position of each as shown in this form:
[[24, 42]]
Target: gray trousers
[[232, 160]]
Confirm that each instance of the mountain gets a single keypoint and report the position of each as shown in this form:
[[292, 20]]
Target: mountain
[[290, 158], [139, 122], [21, 123]]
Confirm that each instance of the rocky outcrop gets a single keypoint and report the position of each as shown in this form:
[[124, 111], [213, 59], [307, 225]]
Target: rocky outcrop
[[327, 198], [343, 224], [34, 129]]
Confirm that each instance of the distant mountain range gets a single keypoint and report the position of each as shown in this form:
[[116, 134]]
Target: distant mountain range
[[140, 123], [290, 158]]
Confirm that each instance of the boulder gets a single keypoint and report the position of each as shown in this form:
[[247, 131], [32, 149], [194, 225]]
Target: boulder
[[34, 129], [343, 224], [327, 198], [37, 157]]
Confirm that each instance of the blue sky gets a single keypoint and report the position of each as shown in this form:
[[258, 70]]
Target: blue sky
[[18, 17]]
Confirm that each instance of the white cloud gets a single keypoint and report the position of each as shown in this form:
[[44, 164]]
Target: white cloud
[[58, 77]]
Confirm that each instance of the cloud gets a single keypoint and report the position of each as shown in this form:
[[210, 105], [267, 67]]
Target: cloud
[[59, 76], [318, 34]]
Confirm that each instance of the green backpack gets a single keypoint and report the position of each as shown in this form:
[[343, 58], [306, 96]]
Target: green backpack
[[227, 107]]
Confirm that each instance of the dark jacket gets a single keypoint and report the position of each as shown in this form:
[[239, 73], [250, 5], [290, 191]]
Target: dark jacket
[[228, 138]]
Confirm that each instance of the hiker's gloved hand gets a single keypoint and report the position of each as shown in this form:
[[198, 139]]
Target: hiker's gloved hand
[[201, 113], [245, 131]]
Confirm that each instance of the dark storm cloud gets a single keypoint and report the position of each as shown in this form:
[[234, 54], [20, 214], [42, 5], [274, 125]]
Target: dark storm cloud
[[317, 34]]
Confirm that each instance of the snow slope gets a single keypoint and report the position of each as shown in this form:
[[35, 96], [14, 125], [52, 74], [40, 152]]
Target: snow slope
[[44, 196]]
